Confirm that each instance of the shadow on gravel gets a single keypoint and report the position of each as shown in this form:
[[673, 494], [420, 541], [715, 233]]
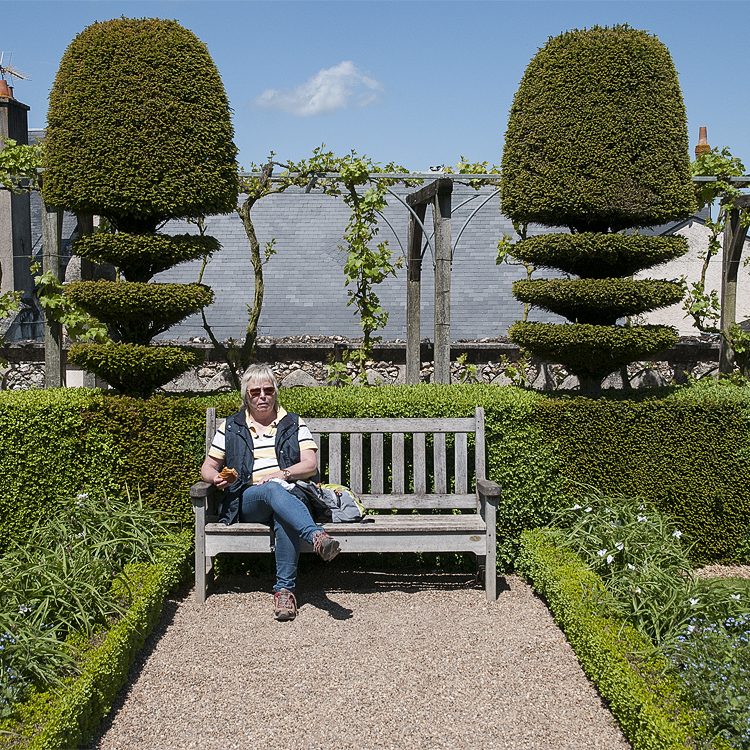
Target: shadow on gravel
[[171, 605]]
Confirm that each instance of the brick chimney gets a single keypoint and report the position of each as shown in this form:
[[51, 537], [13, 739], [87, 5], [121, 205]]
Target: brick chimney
[[702, 147]]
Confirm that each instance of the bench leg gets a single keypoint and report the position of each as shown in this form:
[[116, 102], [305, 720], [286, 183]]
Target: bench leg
[[490, 573], [200, 561]]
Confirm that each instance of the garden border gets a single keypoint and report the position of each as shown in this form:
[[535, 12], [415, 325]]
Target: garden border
[[74, 713], [647, 704]]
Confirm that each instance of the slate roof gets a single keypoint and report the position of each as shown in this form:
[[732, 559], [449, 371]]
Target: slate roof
[[304, 281]]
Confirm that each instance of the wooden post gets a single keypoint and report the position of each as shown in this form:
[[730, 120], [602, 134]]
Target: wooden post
[[734, 241], [414, 297], [52, 244], [86, 226], [441, 214]]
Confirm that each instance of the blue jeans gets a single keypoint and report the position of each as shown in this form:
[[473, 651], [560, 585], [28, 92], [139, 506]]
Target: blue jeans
[[263, 503]]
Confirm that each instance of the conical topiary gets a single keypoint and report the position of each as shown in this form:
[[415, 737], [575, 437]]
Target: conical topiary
[[139, 132], [597, 142]]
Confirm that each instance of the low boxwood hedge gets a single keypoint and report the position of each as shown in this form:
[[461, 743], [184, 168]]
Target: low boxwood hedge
[[649, 705], [66, 717]]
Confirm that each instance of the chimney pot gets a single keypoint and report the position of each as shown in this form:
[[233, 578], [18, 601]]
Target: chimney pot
[[702, 147], [5, 90]]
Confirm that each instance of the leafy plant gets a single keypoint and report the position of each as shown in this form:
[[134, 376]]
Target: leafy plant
[[79, 325], [467, 370], [58, 582], [703, 627], [704, 306]]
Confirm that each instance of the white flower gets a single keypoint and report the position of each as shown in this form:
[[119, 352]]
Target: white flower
[[602, 552], [637, 590], [620, 546], [694, 601], [642, 519], [677, 534], [576, 507], [83, 495], [735, 596], [23, 609], [609, 559], [587, 510], [691, 628], [631, 566]]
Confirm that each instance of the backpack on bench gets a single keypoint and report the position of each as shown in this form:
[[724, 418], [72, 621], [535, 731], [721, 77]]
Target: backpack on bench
[[332, 503]]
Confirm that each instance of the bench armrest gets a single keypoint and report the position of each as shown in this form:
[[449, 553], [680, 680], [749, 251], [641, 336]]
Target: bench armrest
[[488, 488], [201, 492]]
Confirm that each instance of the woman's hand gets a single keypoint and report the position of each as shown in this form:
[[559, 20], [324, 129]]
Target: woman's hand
[[210, 472]]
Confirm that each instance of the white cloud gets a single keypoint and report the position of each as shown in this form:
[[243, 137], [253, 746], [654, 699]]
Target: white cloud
[[328, 90]]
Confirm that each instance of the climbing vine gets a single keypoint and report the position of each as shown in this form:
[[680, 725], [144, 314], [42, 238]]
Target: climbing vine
[[703, 306]]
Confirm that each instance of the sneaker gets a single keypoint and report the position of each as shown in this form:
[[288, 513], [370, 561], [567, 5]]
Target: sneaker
[[284, 605], [326, 546]]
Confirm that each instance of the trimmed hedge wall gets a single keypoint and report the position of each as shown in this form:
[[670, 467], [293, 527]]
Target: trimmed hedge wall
[[686, 450], [648, 706], [69, 716]]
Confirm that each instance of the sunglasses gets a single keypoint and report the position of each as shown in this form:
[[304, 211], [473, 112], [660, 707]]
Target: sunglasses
[[269, 390]]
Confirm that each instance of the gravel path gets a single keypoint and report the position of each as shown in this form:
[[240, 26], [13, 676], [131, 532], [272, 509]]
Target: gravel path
[[373, 660]]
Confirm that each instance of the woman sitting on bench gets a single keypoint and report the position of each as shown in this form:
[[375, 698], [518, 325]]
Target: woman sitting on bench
[[269, 449]]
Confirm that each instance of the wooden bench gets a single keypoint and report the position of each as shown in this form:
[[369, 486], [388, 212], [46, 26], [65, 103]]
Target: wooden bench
[[410, 489]]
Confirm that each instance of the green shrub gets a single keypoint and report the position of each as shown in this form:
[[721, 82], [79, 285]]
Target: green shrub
[[597, 135], [589, 350], [597, 142], [592, 255], [139, 127], [135, 311], [134, 369], [685, 453], [139, 132], [141, 256], [598, 301], [651, 708]]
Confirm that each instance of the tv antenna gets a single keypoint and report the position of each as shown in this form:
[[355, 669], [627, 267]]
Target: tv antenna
[[11, 70]]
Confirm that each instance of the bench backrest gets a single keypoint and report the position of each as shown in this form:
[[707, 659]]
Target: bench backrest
[[380, 449]]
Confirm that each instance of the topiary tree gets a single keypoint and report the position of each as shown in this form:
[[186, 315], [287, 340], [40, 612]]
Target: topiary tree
[[139, 132], [597, 142]]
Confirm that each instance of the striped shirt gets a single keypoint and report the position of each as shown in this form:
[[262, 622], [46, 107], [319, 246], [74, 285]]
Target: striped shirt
[[264, 446]]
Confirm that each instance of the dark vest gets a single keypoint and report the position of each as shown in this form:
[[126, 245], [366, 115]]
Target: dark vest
[[239, 456]]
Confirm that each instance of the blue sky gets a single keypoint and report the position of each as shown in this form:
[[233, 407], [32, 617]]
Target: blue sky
[[417, 82]]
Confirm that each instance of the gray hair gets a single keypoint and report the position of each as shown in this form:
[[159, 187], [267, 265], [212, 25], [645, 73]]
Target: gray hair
[[257, 375]]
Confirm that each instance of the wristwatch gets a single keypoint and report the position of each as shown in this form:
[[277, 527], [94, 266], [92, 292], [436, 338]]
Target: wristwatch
[[287, 474]]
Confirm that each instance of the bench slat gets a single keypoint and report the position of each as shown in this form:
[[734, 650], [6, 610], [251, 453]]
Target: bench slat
[[376, 463], [355, 462], [210, 426], [397, 454], [334, 458], [440, 469], [407, 502], [420, 464], [316, 438], [386, 424], [466, 522], [462, 452]]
